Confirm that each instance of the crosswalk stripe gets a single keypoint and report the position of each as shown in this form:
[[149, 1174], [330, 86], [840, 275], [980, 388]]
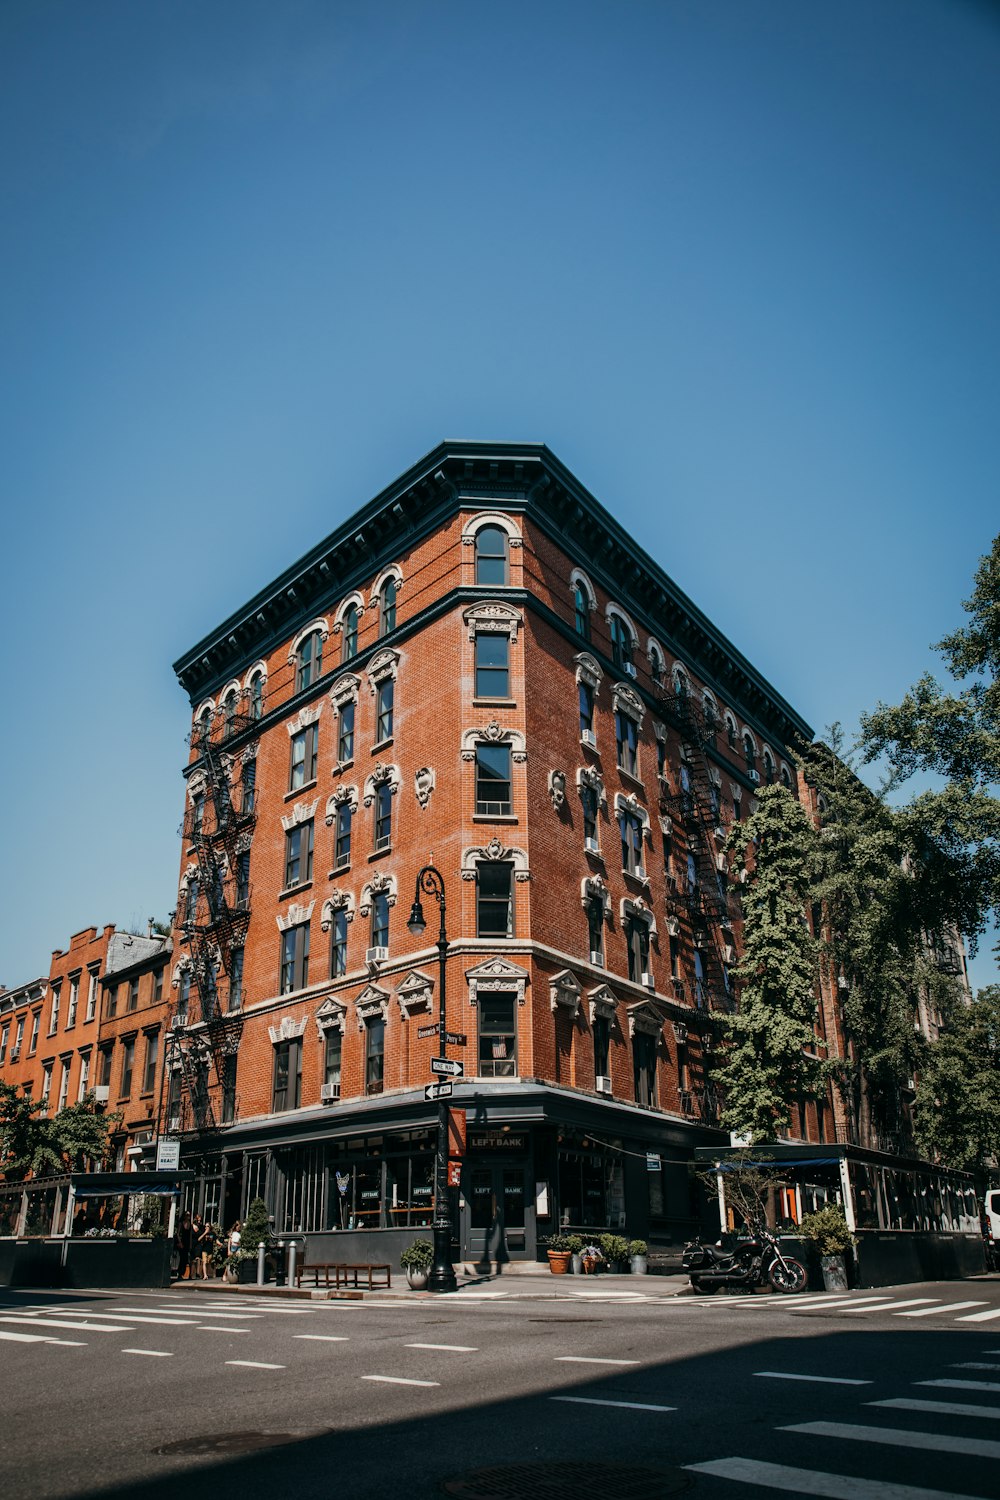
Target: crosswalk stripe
[[583, 1359], [218, 1328], [897, 1437], [980, 1317], [626, 1405], [940, 1408], [945, 1307], [323, 1338], [67, 1323], [812, 1482], [152, 1353], [820, 1379], [253, 1364], [992, 1386], [398, 1380], [971, 1364], [39, 1338], [894, 1306], [447, 1348]]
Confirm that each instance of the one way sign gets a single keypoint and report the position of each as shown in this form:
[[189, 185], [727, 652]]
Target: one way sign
[[449, 1066]]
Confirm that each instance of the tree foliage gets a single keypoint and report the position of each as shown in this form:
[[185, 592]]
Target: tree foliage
[[955, 734], [35, 1145], [958, 1106], [764, 1068]]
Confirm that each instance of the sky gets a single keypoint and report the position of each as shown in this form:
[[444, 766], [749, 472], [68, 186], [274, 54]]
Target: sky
[[734, 261]]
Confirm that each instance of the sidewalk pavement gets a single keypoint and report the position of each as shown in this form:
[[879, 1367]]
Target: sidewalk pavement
[[523, 1283]]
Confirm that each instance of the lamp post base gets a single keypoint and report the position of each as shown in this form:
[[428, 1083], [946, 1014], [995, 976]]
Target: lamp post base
[[442, 1277]]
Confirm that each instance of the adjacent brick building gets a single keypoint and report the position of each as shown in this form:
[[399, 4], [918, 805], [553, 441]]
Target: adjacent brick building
[[482, 670]]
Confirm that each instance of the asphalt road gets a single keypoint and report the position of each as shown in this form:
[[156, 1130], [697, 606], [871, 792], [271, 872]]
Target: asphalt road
[[893, 1395]]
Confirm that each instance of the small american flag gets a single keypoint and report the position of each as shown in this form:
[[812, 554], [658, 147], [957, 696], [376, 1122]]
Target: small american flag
[[500, 1049]]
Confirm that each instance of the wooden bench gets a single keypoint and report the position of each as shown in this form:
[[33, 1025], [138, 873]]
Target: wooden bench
[[337, 1274]]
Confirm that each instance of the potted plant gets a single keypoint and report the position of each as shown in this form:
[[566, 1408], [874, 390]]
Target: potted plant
[[615, 1248], [638, 1250], [575, 1243], [559, 1252], [416, 1260], [592, 1259], [827, 1230]]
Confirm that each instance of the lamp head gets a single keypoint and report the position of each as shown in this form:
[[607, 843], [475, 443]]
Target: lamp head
[[416, 923]]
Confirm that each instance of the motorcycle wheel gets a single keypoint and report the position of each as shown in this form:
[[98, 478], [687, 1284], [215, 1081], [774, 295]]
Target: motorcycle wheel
[[790, 1277], [704, 1288]]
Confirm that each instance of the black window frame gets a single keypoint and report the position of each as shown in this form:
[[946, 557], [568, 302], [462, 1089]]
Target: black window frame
[[308, 738], [486, 563], [309, 660], [293, 971], [581, 611], [342, 836], [350, 627], [385, 700], [382, 818], [345, 732], [585, 703], [644, 1069], [631, 841], [492, 678], [387, 607], [299, 848], [375, 1055], [492, 777], [627, 743], [490, 1032], [494, 894], [338, 943], [286, 1077]]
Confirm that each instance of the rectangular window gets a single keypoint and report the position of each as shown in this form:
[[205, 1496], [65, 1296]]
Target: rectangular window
[[494, 899], [63, 1085], [157, 986], [91, 995], [184, 996], [229, 1063], [112, 1006], [104, 1073], [20, 1035], [332, 1055], [342, 841], [627, 739], [497, 1036], [4, 1035], [295, 958], [191, 900], [287, 1089], [303, 765], [590, 804], [595, 928], [36, 1023], [243, 878], [128, 1062], [380, 920], [700, 996], [74, 1001], [493, 796], [248, 784], [586, 694], [299, 854], [637, 936], [345, 738], [149, 1071], [383, 816], [383, 710], [631, 832], [197, 816], [661, 757], [236, 979], [644, 1068], [133, 994], [46, 1082], [84, 1075], [338, 944], [54, 1013], [374, 1056], [493, 666], [675, 957], [602, 1046]]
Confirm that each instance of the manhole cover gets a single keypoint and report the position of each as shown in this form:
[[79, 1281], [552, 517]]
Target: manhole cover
[[571, 1481], [230, 1442]]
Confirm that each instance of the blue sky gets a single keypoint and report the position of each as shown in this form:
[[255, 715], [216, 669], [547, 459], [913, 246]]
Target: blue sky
[[734, 262]]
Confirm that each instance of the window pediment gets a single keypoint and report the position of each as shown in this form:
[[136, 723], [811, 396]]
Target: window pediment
[[295, 916], [492, 851], [339, 901], [287, 1029], [589, 776], [372, 1005], [415, 993], [494, 734], [587, 670], [639, 910], [300, 813], [626, 700], [496, 974], [594, 888], [303, 718], [345, 690], [331, 1016], [565, 991], [644, 1020], [341, 794], [602, 1002], [381, 668], [378, 885], [383, 775], [492, 616]]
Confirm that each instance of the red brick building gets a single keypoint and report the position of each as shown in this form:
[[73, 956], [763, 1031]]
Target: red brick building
[[483, 670]]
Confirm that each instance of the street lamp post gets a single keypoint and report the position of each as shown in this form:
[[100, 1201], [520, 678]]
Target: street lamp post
[[442, 1277]]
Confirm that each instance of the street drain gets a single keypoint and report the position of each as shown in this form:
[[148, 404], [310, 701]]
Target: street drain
[[231, 1442], [567, 1481]]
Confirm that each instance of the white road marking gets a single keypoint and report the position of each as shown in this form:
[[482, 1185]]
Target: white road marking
[[218, 1328], [812, 1482], [66, 1323], [153, 1353], [323, 1338], [910, 1302], [398, 1380], [980, 1317], [627, 1405], [845, 1304], [145, 1318], [946, 1307], [941, 1408], [584, 1359], [972, 1365], [201, 1312], [898, 1438], [992, 1386], [39, 1338], [253, 1364], [821, 1379], [449, 1349]]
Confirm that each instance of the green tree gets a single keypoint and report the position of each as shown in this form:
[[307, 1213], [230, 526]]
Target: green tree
[[958, 1105], [955, 734], [33, 1145], [764, 1067], [80, 1134]]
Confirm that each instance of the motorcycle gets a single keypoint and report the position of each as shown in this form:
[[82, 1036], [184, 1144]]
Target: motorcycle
[[756, 1257]]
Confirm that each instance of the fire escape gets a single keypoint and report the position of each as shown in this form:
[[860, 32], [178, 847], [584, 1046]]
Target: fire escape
[[701, 893], [207, 1021]]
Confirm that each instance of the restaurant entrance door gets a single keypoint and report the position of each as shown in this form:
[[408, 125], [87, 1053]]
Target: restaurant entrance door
[[494, 1218]]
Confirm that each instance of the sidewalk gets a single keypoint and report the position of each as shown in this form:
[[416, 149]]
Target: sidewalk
[[521, 1284]]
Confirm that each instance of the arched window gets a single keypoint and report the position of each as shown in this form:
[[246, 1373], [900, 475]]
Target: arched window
[[768, 769], [256, 695], [581, 608], [681, 684], [711, 714], [786, 779], [491, 555], [621, 644], [308, 660], [387, 608], [350, 628], [731, 731], [229, 703], [749, 751]]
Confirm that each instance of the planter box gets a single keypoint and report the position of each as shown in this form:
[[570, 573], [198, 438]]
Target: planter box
[[85, 1263]]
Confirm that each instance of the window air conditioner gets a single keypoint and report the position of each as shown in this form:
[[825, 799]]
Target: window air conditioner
[[680, 1033], [602, 1084], [15, 1053], [597, 957], [329, 1092], [721, 863], [102, 1092], [588, 737], [592, 846], [728, 953], [649, 981], [720, 833], [177, 1023], [629, 669], [754, 776], [174, 1122], [376, 955]]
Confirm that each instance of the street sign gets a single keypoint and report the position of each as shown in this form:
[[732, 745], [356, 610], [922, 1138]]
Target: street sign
[[652, 1161], [168, 1154], [431, 1030], [454, 1174], [434, 1091], [447, 1065], [455, 1038]]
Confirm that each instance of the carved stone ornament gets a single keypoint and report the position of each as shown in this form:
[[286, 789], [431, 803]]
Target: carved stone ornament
[[640, 910], [642, 1018], [494, 975], [359, 605], [339, 901], [244, 841], [587, 670], [492, 852], [589, 776], [594, 887], [331, 1016], [288, 1029], [564, 990], [415, 993], [342, 793], [715, 776], [381, 667], [492, 616], [304, 718], [490, 518], [659, 731], [345, 690], [378, 885], [295, 916], [627, 700], [372, 1005], [735, 791], [300, 813], [634, 807], [674, 926], [424, 782], [601, 1002], [181, 967], [197, 783], [494, 734], [316, 626], [557, 788], [383, 775]]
